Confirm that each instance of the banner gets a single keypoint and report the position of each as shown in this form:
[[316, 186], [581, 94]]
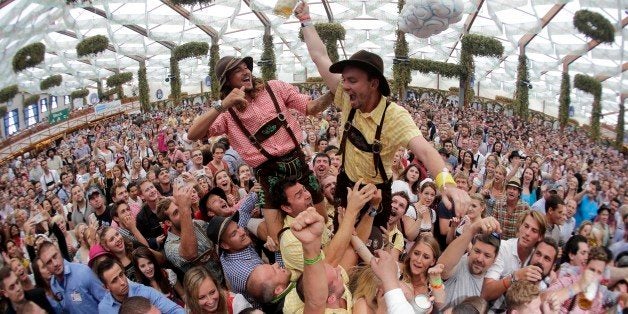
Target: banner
[[58, 116]]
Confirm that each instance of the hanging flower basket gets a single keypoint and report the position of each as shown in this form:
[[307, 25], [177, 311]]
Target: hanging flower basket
[[30, 100], [92, 45], [119, 79], [79, 93], [594, 26], [190, 50], [51, 81], [29, 56], [8, 93]]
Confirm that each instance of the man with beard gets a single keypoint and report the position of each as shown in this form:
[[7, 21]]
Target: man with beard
[[544, 257], [399, 206], [174, 153], [512, 254], [508, 211], [19, 298], [119, 287], [329, 190], [555, 217], [254, 116], [74, 284], [464, 273]]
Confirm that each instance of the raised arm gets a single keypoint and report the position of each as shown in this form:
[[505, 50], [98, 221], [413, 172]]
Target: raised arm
[[319, 104], [188, 249], [316, 47], [201, 124]]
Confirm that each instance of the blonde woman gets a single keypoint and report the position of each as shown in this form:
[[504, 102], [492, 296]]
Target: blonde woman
[[474, 213], [204, 296]]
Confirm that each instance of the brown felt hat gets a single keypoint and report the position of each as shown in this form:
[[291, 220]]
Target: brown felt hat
[[228, 63], [367, 61]]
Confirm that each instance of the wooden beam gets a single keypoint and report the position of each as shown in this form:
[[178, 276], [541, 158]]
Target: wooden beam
[[602, 78]]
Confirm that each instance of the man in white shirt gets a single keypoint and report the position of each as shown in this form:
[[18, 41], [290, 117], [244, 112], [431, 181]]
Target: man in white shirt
[[513, 254]]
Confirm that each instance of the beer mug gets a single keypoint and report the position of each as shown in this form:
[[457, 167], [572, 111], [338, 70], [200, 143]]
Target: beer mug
[[284, 8]]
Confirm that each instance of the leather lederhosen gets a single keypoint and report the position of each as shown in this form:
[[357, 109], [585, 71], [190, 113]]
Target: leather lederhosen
[[357, 139], [291, 165]]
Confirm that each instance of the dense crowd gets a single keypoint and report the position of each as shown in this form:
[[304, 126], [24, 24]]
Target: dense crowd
[[186, 211]]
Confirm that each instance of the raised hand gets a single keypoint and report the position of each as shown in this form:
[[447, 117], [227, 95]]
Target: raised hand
[[358, 197], [235, 98], [183, 197], [460, 198], [308, 226], [302, 11], [487, 225]]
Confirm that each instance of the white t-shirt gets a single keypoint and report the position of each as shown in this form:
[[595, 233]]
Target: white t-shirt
[[506, 263]]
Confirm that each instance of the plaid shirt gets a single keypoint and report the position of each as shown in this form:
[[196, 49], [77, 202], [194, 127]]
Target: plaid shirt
[[507, 219], [173, 242]]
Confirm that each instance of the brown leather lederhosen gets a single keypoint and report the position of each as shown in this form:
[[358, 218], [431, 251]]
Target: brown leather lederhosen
[[357, 139], [277, 168]]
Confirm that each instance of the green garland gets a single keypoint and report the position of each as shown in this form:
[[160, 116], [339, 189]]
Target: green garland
[[92, 45], [51, 81], [3, 111], [564, 100], [505, 101], [99, 89], [402, 75], [314, 79], [79, 93], [329, 33], [214, 56], [592, 86], [175, 80], [8, 93], [619, 129], [29, 56], [119, 79], [269, 67], [144, 90], [190, 50], [594, 26], [479, 45], [467, 63], [30, 100], [428, 66], [522, 102], [106, 94]]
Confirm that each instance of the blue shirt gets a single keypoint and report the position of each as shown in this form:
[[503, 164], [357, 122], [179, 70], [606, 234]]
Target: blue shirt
[[586, 210], [110, 305], [80, 291]]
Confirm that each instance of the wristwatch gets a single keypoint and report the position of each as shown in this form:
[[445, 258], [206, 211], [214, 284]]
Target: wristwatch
[[373, 211], [513, 279], [218, 106]]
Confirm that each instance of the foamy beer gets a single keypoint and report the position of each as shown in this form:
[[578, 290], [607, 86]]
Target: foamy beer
[[284, 7]]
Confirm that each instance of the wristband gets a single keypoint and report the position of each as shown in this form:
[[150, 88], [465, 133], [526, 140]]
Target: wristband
[[303, 17], [444, 178], [306, 23], [436, 282], [312, 261], [217, 105]]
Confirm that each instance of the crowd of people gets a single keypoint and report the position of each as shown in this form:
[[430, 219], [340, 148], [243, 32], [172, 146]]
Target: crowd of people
[[270, 201]]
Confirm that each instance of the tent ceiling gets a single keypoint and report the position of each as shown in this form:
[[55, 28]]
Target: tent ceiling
[[148, 29]]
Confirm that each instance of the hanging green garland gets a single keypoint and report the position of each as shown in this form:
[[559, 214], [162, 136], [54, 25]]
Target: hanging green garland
[[329, 33], [99, 90], [522, 102], [592, 86], [402, 75], [29, 56], [619, 129], [214, 56], [3, 111], [175, 79], [30, 100], [108, 93], [449, 70], [564, 100], [268, 67], [8, 93], [508, 102], [144, 89], [119, 79], [594, 26], [191, 2], [190, 50], [51, 81], [79, 93], [92, 45], [483, 46]]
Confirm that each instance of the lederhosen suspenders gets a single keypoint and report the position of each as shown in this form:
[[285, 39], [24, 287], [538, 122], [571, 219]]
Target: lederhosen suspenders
[[357, 139], [268, 129]]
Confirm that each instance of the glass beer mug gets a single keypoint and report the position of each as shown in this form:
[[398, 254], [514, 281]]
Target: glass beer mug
[[284, 7]]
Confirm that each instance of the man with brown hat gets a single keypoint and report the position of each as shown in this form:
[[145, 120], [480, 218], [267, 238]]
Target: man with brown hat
[[508, 210], [374, 127], [254, 116]]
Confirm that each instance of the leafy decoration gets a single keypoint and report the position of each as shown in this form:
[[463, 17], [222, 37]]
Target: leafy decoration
[[522, 102], [619, 129], [594, 26], [504, 100], [442, 68], [101, 95], [214, 56], [32, 99], [143, 86], [51, 81], [92, 45], [8, 93], [564, 100], [175, 80], [119, 79], [190, 50], [79, 93], [314, 79], [268, 67], [106, 94], [3, 111], [191, 2], [592, 86], [29, 56], [479, 45]]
